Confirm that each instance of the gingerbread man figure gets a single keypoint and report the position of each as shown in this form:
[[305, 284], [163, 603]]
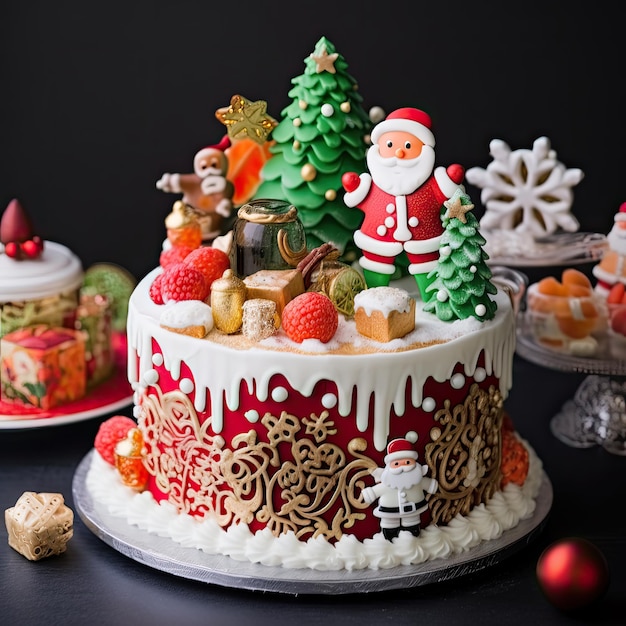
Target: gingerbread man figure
[[207, 190]]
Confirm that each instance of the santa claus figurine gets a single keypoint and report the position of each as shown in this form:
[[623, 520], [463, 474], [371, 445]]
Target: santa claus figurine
[[207, 190], [612, 268], [400, 490], [402, 198]]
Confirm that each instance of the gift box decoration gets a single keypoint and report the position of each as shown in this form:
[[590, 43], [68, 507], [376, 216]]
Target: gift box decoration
[[94, 316], [42, 366], [58, 309], [39, 525]]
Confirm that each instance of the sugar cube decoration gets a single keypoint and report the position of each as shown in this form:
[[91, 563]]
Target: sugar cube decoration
[[39, 525], [260, 318]]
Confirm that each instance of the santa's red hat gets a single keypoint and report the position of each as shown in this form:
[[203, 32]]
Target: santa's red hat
[[399, 449], [222, 145], [620, 216], [408, 119]]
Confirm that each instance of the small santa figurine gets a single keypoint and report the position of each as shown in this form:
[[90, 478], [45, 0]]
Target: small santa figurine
[[612, 268], [207, 190], [400, 490], [402, 198]]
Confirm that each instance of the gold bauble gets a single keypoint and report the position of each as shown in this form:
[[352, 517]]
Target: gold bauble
[[308, 172]]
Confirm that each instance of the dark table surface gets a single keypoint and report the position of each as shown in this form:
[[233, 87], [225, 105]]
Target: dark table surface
[[93, 583]]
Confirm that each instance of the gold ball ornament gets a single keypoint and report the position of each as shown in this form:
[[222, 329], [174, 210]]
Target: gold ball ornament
[[345, 107], [308, 172], [228, 295], [330, 195]]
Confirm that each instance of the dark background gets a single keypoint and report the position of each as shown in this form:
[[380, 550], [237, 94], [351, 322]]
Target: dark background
[[99, 99]]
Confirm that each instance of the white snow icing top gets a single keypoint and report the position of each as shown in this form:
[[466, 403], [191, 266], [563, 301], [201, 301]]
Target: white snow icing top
[[187, 313], [526, 190], [383, 299]]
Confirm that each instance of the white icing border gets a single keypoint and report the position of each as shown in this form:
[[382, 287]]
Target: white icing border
[[485, 522]]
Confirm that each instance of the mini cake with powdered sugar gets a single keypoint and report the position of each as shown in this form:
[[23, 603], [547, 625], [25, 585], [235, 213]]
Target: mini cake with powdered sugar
[[361, 423]]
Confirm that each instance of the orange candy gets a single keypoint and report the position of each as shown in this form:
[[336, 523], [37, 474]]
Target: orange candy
[[129, 460], [571, 301], [188, 236], [246, 158]]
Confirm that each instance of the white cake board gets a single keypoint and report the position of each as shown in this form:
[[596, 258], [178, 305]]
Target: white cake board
[[168, 556]]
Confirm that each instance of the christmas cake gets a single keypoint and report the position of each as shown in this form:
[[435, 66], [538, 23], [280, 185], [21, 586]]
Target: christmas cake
[[56, 327], [285, 436]]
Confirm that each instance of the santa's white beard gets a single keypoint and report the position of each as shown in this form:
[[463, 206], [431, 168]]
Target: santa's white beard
[[617, 239], [403, 479], [209, 171], [400, 177]]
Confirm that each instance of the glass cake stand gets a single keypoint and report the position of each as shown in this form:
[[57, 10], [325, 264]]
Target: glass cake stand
[[596, 415], [512, 249]]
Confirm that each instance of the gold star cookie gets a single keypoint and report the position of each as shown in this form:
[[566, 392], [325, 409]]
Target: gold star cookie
[[244, 118], [325, 62], [456, 209]]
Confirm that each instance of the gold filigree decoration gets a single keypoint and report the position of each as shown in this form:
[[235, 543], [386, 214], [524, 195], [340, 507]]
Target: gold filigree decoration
[[297, 480], [465, 457]]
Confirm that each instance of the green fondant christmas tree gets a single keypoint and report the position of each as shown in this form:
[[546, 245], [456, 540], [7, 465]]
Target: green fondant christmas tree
[[462, 279], [322, 134]]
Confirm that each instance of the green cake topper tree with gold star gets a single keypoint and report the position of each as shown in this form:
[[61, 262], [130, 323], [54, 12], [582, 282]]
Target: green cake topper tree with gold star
[[462, 283], [323, 133]]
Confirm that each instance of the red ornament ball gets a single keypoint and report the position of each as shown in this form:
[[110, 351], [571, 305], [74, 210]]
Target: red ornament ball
[[573, 573], [110, 432]]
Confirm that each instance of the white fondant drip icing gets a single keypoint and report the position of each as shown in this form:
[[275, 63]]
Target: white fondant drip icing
[[484, 523], [386, 372]]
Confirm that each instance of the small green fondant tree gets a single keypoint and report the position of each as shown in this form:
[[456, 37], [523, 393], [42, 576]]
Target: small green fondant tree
[[322, 134], [462, 283]]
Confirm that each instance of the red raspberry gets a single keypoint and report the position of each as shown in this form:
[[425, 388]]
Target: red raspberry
[[109, 433], [155, 290], [311, 315], [172, 255], [212, 262], [183, 282]]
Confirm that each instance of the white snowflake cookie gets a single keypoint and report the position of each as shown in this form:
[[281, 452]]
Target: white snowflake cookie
[[526, 191]]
